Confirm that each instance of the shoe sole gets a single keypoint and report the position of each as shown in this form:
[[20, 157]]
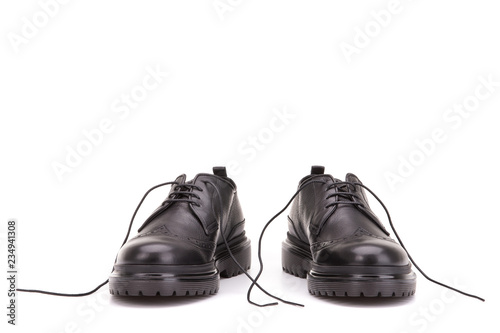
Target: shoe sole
[[347, 281], [180, 280]]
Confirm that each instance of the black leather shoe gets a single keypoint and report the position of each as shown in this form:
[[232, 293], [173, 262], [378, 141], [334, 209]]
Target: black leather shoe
[[181, 248], [340, 245]]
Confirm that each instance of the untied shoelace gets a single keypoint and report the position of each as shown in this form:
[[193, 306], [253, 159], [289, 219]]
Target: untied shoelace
[[183, 193]]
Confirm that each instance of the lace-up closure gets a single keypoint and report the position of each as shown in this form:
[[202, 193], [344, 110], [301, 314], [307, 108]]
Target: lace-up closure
[[178, 250], [233, 256], [343, 191], [353, 234], [184, 193]]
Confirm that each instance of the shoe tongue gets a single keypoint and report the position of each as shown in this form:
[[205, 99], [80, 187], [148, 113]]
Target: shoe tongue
[[352, 178], [342, 188], [181, 179]]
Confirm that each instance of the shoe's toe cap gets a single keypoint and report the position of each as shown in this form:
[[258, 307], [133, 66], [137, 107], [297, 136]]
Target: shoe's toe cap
[[161, 250], [362, 251]]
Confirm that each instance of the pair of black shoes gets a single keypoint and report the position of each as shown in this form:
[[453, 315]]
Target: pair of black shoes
[[197, 235]]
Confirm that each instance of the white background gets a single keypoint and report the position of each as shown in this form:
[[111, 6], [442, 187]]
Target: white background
[[228, 74]]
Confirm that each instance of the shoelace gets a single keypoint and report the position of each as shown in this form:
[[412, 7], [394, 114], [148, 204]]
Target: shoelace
[[349, 196], [181, 193], [124, 241], [184, 195], [254, 280]]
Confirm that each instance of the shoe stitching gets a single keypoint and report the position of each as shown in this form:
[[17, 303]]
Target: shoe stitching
[[358, 233], [163, 230]]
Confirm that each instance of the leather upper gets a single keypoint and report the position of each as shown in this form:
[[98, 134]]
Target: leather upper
[[187, 233], [337, 233]]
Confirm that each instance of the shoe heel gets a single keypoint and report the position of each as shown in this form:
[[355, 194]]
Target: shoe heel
[[242, 253], [294, 260]]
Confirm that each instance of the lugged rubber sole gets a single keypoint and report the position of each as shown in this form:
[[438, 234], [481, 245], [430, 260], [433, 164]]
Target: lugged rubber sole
[[347, 281], [180, 280]]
